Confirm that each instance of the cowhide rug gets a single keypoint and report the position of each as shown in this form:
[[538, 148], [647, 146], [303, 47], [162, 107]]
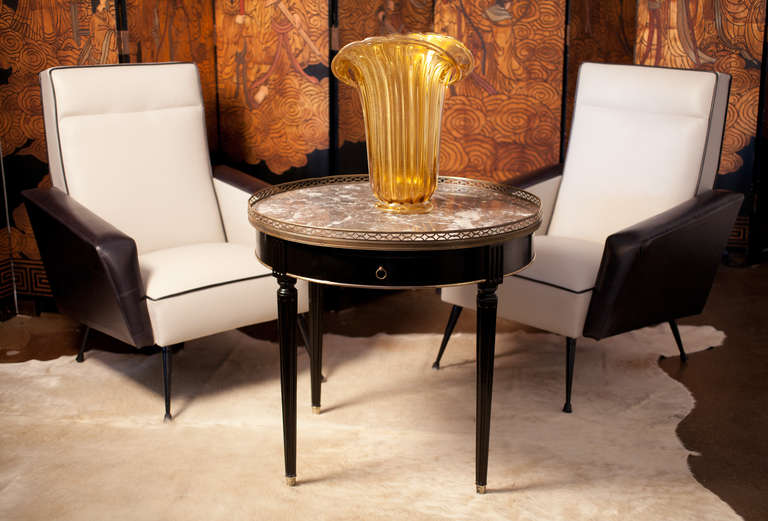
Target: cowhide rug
[[395, 439]]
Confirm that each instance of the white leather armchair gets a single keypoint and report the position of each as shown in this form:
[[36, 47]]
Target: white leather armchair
[[138, 238], [632, 232]]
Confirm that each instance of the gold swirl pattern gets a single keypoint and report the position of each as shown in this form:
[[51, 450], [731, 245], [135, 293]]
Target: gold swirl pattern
[[466, 116], [453, 158], [10, 42], [479, 150], [515, 156], [549, 17], [32, 58], [29, 102], [726, 37]]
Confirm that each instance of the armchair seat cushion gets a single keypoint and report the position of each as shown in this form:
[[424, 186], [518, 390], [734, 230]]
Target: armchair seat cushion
[[198, 290], [174, 271], [564, 263], [553, 293]]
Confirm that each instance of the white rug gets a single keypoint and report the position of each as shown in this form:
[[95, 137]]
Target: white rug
[[396, 440]]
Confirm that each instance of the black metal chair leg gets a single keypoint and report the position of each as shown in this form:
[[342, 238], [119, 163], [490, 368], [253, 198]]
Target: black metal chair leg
[[301, 322], [81, 353], [678, 340], [452, 319], [570, 353], [167, 356]]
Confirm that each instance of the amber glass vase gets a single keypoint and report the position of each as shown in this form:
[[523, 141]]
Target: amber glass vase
[[402, 80]]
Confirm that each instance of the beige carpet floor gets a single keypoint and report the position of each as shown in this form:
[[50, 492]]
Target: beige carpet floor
[[395, 439]]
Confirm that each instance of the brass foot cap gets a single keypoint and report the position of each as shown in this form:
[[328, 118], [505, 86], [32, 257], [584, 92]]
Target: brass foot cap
[[290, 481], [315, 409], [480, 489]]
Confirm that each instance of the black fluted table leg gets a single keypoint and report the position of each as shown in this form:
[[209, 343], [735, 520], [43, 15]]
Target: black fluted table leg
[[316, 342], [286, 322], [486, 345]]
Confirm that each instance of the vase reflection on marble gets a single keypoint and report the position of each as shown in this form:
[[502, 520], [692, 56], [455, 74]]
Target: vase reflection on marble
[[402, 80]]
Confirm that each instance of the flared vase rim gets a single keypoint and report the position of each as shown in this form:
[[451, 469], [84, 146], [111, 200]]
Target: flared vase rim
[[464, 67]]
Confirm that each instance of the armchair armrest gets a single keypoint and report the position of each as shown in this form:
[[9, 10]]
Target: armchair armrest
[[662, 268], [233, 189], [92, 266], [534, 177], [544, 183]]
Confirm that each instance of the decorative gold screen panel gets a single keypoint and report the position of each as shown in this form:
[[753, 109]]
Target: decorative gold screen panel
[[272, 80], [720, 35], [504, 119]]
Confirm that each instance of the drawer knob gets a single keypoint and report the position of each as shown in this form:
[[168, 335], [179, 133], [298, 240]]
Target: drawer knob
[[381, 273]]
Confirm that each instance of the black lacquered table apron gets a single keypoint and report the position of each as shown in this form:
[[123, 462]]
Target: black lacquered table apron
[[327, 231]]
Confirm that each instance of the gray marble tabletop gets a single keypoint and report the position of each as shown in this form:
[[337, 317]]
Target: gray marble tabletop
[[340, 211]]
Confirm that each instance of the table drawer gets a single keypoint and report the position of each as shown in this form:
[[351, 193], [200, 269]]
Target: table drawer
[[390, 269]]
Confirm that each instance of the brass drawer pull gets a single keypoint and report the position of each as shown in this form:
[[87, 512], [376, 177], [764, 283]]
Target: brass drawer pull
[[381, 273]]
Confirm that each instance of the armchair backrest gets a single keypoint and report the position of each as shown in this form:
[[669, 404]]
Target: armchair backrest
[[643, 139], [129, 143]]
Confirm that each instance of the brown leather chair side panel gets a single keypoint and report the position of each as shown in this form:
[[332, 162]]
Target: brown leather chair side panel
[[92, 267], [662, 268]]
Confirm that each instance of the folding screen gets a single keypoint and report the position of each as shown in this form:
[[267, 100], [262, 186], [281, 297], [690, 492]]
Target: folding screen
[[272, 77], [720, 35], [504, 119], [33, 36]]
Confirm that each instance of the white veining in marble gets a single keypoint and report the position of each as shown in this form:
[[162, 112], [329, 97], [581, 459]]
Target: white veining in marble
[[350, 206]]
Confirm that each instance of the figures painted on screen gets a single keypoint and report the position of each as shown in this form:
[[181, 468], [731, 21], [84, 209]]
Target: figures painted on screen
[[273, 80]]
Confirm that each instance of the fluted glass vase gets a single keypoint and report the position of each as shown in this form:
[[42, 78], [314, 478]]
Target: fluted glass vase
[[402, 80]]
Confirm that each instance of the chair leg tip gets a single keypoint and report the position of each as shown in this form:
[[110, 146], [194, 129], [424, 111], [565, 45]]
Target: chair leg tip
[[168, 418], [80, 359], [290, 481], [567, 408], [436, 366], [480, 489]]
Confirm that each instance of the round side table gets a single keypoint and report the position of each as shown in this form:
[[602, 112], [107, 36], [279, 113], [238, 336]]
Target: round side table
[[328, 231]]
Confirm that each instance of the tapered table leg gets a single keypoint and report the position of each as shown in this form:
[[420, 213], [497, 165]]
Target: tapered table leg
[[286, 323], [486, 346], [316, 342]]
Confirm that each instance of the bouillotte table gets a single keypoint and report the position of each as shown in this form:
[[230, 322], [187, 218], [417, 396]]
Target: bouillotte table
[[328, 231]]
